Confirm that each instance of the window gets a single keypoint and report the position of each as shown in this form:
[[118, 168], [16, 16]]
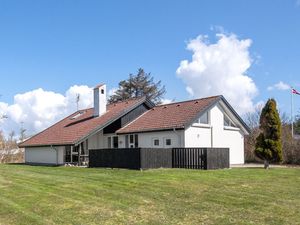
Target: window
[[204, 119], [228, 122], [131, 138], [102, 91], [132, 141], [156, 142], [168, 142], [68, 154], [77, 115], [136, 141], [109, 142], [113, 142], [126, 142]]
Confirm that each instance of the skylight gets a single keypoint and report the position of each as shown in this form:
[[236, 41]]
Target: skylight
[[77, 115]]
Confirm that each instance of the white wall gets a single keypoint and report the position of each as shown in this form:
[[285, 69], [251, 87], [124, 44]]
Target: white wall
[[146, 139], [196, 136], [99, 140], [215, 135], [44, 155]]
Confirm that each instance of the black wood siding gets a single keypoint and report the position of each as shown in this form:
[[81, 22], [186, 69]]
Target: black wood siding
[[113, 127], [133, 114]]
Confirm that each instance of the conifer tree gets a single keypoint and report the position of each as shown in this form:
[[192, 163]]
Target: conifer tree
[[268, 144], [141, 84]]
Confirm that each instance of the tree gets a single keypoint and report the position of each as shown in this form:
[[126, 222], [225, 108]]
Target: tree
[[141, 84], [297, 125], [2, 140], [22, 134], [268, 143], [252, 120]]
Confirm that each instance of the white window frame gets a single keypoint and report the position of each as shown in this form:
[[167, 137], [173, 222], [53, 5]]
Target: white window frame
[[203, 125], [135, 143], [231, 123], [165, 142]]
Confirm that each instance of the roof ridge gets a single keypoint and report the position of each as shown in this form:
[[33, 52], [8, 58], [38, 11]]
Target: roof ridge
[[131, 99], [197, 99]]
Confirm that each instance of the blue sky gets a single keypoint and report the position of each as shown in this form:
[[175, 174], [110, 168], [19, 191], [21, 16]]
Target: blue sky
[[58, 44]]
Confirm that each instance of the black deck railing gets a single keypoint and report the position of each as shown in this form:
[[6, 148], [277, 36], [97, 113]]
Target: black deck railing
[[146, 158]]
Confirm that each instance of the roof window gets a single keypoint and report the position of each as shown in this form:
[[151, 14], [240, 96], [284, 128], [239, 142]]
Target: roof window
[[77, 115]]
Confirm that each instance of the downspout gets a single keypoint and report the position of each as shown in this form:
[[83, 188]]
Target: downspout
[[56, 150], [211, 137], [179, 137]]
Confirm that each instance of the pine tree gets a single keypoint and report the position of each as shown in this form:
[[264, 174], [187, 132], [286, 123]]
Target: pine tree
[[141, 84], [268, 144]]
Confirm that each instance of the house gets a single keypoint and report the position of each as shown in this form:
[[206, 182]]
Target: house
[[206, 122]]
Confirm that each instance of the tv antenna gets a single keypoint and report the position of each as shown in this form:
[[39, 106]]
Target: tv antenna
[[77, 101]]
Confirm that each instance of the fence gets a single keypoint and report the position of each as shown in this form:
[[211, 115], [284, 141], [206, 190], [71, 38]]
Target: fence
[[146, 158]]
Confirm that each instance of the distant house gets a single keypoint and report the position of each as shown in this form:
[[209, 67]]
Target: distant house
[[206, 122]]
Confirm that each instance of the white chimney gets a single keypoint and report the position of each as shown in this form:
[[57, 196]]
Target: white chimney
[[100, 100]]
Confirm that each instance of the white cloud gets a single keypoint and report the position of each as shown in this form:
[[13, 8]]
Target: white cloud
[[220, 68], [112, 91], [38, 109], [281, 86], [166, 101]]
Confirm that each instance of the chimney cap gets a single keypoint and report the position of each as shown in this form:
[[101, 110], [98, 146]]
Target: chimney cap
[[99, 86]]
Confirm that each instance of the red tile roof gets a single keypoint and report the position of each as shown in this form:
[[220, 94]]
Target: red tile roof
[[68, 131], [170, 116]]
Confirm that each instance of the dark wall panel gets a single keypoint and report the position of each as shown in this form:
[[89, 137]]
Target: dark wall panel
[[133, 114], [113, 127]]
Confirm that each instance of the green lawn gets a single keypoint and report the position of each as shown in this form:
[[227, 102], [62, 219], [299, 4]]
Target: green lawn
[[68, 195]]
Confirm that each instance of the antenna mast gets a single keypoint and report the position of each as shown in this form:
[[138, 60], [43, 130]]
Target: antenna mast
[[77, 101]]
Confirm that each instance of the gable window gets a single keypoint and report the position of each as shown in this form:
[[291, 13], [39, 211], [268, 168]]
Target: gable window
[[204, 118], [228, 122]]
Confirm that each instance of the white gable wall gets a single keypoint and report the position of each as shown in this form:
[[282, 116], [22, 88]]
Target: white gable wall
[[225, 138], [196, 136], [215, 135]]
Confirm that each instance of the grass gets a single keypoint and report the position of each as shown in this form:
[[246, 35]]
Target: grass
[[68, 195]]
